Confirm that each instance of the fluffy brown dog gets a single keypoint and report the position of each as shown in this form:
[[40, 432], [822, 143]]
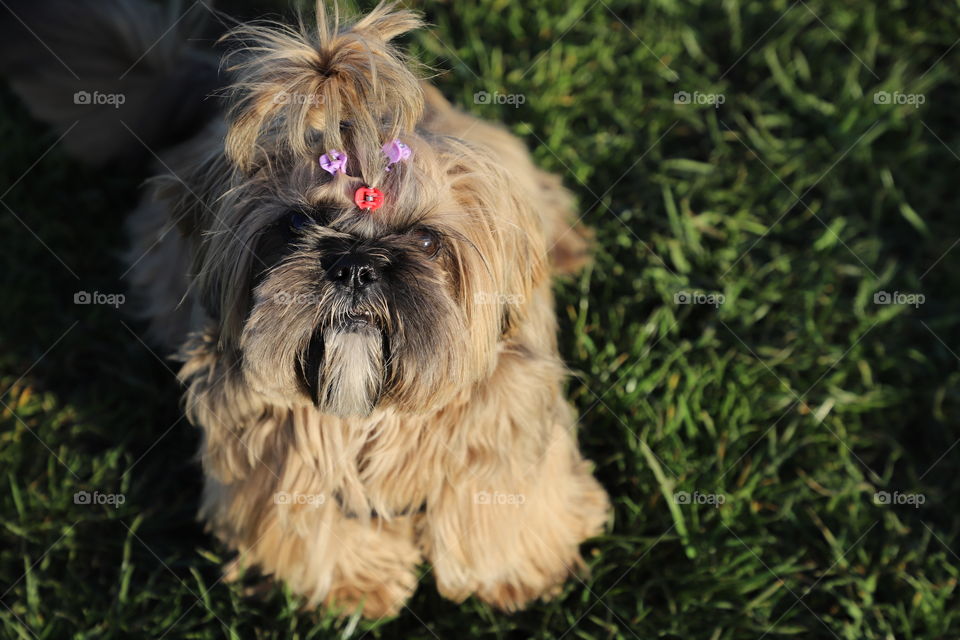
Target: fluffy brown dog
[[375, 387]]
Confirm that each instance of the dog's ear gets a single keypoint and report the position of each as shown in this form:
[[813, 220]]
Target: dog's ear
[[193, 194], [501, 255], [240, 429], [293, 88]]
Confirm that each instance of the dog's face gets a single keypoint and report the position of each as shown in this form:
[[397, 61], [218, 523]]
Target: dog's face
[[350, 309], [346, 309]]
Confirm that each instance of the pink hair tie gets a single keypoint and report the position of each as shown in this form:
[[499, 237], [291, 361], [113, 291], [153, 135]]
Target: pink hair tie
[[333, 161], [396, 152]]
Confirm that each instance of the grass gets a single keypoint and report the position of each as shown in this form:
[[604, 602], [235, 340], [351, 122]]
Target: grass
[[793, 401]]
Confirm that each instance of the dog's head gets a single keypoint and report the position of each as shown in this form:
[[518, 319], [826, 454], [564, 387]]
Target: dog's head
[[327, 303]]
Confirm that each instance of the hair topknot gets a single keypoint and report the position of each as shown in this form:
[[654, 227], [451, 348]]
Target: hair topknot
[[342, 84]]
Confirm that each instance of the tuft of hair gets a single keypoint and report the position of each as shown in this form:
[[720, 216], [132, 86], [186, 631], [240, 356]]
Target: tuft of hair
[[341, 83]]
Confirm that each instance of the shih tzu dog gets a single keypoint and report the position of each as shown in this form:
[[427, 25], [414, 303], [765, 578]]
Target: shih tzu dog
[[357, 277]]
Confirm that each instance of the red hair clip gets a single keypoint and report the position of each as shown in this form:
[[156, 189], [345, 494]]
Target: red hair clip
[[368, 198]]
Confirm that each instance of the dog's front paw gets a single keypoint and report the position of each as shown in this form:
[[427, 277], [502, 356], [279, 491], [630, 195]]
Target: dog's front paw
[[513, 594], [510, 547], [510, 589], [376, 575], [376, 596]]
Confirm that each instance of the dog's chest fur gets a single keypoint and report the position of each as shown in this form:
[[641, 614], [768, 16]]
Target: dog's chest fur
[[393, 464]]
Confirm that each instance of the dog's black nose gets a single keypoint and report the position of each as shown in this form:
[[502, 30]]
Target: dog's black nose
[[353, 271]]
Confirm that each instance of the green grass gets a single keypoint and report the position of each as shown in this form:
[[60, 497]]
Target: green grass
[[796, 399]]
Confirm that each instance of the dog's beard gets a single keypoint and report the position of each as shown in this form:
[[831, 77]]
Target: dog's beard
[[397, 341], [317, 346], [343, 368]]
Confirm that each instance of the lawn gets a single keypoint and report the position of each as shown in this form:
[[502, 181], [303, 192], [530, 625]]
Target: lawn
[[764, 352]]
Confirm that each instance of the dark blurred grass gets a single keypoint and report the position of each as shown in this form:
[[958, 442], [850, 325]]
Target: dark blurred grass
[[796, 399]]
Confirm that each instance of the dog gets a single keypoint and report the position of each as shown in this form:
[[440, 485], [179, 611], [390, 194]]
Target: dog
[[356, 277]]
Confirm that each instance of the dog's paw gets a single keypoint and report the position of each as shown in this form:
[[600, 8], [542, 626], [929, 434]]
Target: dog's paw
[[511, 555], [514, 595], [376, 596], [509, 588]]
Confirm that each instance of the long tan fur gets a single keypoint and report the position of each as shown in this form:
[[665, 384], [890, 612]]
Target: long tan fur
[[455, 445]]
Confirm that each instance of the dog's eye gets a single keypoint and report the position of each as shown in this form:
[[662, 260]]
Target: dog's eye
[[298, 221], [427, 241]]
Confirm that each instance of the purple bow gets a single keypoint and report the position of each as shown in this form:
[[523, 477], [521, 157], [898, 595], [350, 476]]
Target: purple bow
[[396, 152], [333, 161]]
